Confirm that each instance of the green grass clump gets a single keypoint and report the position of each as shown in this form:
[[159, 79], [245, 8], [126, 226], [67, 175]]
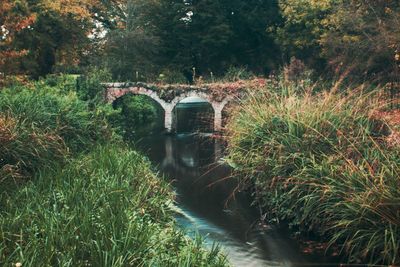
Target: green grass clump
[[102, 209], [42, 124], [51, 108], [322, 162]]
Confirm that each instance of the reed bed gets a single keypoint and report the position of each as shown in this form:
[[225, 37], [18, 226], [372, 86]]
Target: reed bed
[[106, 208], [322, 162], [43, 124], [72, 194]]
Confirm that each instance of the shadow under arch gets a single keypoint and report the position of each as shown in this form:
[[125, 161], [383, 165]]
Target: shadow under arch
[[193, 114], [140, 113]]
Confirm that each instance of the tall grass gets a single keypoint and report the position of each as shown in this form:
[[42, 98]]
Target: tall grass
[[322, 162], [43, 124], [52, 109], [87, 203], [103, 209]]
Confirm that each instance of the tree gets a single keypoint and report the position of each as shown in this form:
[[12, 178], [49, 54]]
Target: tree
[[359, 38], [51, 34], [209, 35], [131, 48], [364, 39], [302, 28], [223, 33], [14, 18]]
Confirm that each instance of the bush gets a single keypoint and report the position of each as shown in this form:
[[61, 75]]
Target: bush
[[89, 85], [323, 163], [103, 209], [136, 110]]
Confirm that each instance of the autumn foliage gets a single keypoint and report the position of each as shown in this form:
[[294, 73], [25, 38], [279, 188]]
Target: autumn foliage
[[11, 22], [35, 36]]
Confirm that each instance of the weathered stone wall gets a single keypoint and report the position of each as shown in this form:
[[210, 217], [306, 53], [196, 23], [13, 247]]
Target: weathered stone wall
[[170, 100]]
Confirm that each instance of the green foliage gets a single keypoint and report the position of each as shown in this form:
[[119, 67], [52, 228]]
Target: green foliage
[[234, 74], [170, 76], [25, 148], [179, 35], [52, 40], [363, 39], [354, 37], [89, 85], [88, 203], [44, 123], [137, 110], [103, 209], [130, 55], [42, 37], [139, 39], [303, 26], [135, 113], [322, 163]]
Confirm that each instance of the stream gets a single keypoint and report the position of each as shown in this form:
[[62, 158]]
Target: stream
[[209, 204]]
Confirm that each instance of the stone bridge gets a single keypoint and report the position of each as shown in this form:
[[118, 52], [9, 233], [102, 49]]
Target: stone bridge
[[168, 96]]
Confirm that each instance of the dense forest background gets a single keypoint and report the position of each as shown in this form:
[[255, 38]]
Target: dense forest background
[[176, 40]]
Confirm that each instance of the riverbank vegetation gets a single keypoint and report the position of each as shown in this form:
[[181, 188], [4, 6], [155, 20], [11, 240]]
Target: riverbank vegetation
[[72, 194], [320, 155], [325, 162]]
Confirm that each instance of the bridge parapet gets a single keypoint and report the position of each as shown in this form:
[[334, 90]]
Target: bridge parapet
[[168, 96]]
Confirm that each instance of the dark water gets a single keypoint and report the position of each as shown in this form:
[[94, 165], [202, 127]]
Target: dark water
[[209, 205]]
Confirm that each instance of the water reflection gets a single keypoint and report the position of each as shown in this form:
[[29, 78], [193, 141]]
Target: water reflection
[[206, 203], [193, 117]]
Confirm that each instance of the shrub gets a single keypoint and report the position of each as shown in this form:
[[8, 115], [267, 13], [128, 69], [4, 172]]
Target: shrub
[[137, 110], [322, 163], [26, 148], [89, 85]]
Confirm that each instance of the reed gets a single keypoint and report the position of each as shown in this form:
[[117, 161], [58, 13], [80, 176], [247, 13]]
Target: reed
[[324, 163], [85, 203], [106, 208], [43, 124]]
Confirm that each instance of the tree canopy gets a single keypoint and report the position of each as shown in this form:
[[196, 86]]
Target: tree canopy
[[141, 39]]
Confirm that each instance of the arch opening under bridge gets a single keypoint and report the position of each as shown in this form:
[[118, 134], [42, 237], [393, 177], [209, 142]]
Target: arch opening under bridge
[[117, 90]]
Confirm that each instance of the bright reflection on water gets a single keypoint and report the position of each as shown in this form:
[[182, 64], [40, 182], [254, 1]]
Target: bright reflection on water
[[207, 205]]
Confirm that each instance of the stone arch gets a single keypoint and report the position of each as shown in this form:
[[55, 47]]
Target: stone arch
[[206, 118], [189, 94], [117, 90], [228, 102], [218, 106], [157, 121], [115, 93]]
